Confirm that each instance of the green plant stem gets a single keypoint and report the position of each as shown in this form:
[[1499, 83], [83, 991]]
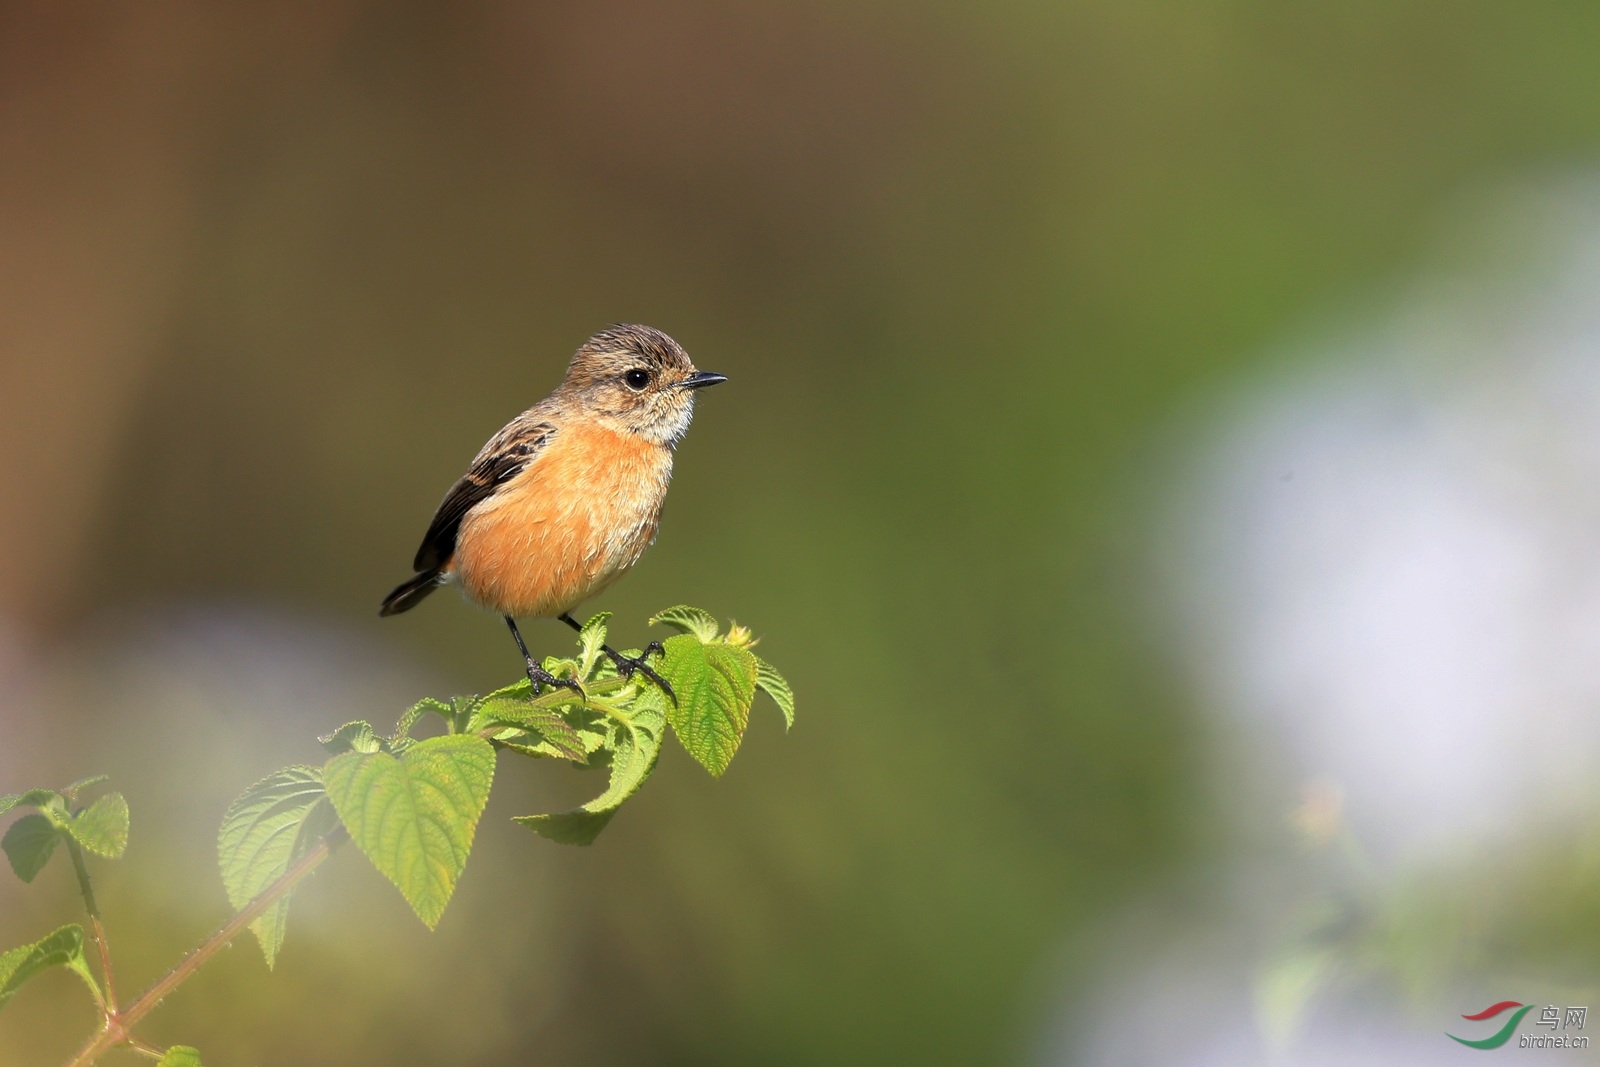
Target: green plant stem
[[96, 926], [119, 1026]]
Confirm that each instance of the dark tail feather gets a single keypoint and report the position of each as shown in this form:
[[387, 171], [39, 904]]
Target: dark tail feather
[[409, 594]]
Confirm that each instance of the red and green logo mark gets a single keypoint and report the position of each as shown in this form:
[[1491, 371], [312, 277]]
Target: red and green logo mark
[[1503, 1035]]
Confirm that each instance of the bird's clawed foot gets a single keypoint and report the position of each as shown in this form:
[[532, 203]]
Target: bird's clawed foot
[[628, 666], [538, 676]]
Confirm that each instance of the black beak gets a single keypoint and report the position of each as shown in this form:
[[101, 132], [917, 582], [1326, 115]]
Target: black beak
[[702, 379]]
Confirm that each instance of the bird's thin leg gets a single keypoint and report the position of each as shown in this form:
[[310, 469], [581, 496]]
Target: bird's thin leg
[[537, 675], [627, 665]]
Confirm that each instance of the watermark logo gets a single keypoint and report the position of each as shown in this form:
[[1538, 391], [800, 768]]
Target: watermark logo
[[1550, 1016]]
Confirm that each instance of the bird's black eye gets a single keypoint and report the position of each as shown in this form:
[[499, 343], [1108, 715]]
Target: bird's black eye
[[637, 378]]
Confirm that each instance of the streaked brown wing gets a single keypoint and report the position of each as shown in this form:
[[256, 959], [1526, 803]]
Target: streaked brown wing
[[502, 459]]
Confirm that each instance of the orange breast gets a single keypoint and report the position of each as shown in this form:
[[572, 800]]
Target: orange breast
[[571, 523]]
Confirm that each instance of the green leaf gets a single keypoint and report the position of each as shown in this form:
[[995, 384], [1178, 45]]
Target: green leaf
[[33, 798], [102, 827], [564, 667], [180, 1056], [540, 730], [715, 685], [689, 620], [71, 792], [591, 729], [351, 737], [270, 826], [521, 689], [29, 844], [635, 746], [426, 706], [770, 682], [415, 816], [591, 639], [63, 948]]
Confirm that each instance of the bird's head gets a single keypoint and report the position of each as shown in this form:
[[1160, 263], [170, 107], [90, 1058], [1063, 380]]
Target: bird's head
[[637, 379]]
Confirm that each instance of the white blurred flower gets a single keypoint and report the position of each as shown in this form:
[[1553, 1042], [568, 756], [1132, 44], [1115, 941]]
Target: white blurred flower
[[1386, 575], [1395, 579], [1193, 1008]]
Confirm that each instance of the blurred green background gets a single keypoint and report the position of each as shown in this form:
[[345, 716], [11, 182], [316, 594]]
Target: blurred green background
[[272, 273]]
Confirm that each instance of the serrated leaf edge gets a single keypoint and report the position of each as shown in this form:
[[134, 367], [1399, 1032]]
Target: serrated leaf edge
[[580, 826], [445, 881], [690, 620], [770, 682], [311, 783], [119, 840], [74, 962], [17, 830]]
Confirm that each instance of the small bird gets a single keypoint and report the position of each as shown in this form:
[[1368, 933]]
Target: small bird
[[567, 496]]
